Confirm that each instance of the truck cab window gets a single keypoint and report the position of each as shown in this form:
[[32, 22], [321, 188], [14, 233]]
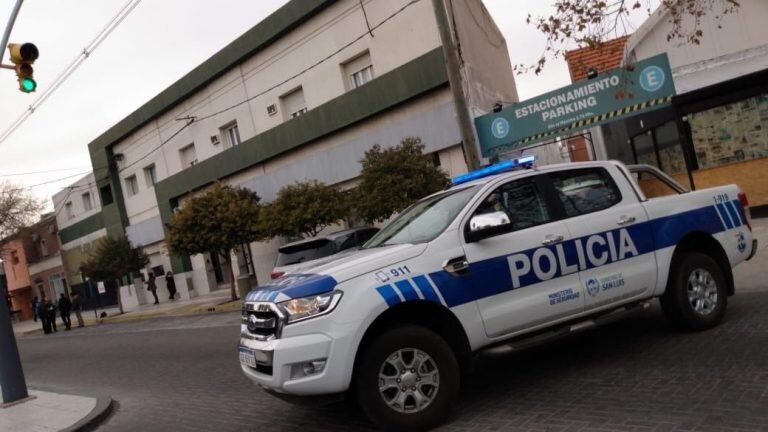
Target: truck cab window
[[585, 190]]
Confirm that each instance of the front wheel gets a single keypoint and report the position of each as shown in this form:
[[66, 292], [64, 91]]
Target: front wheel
[[696, 295], [407, 379]]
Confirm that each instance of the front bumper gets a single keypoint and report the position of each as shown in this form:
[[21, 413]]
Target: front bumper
[[284, 372]]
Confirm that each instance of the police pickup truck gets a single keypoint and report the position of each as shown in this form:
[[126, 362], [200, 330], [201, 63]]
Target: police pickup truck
[[506, 257]]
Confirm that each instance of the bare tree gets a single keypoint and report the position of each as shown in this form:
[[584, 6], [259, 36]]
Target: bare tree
[[592, 22], [18, 208]]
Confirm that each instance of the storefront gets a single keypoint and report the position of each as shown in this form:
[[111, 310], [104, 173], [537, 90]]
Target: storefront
[[711, 136]]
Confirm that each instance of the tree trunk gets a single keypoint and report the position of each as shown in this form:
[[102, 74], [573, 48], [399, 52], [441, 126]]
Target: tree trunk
[[232, 284]]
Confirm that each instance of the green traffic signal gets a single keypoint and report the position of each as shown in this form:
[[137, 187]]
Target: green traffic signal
[[27, 85]]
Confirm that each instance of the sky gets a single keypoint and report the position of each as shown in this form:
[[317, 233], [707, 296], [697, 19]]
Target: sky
[[156, 45]]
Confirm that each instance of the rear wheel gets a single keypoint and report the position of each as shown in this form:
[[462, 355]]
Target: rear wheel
[[696, 295], [408, 379]]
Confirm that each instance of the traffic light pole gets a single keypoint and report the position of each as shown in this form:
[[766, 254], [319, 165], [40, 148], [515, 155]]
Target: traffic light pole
[[9, 27], [12, 382]]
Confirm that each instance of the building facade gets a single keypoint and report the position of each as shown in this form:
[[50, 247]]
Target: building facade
[[77, 206], [716, 130], [33, 265], [300, 96]]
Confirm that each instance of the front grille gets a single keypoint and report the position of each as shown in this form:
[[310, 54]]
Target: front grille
[[262, 321]]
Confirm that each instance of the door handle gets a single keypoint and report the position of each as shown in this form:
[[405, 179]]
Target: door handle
[[458, 266], [626, 220], [552, 239]]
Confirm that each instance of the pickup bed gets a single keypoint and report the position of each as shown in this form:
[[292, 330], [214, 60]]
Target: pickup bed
[[508, 256]]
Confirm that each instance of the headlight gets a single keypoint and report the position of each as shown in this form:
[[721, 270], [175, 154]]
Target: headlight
[[309, 307]]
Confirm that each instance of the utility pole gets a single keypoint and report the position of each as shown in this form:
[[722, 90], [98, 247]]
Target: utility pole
[[9, 27], [450, 52], [12, 382]]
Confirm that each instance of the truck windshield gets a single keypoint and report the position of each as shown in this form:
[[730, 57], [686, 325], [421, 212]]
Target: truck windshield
[[423, 221]]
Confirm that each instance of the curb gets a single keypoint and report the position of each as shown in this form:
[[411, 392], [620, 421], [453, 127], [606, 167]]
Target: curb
[[93, 419]]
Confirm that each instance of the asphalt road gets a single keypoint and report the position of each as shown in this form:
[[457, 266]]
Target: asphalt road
[[636, 375]]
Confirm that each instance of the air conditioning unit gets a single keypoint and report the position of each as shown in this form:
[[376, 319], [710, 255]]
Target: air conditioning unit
[[215, 140], [272, 109]]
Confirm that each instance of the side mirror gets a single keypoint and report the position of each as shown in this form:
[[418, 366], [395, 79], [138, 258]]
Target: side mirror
[[487, 224]]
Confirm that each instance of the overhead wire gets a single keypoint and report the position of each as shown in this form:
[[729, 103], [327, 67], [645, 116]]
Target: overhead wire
[[43, 172]]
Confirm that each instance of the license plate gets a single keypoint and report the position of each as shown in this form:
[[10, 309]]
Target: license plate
[[247, 357]]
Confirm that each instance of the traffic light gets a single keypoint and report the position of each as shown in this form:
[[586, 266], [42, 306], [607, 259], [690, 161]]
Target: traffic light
[[23, 56]]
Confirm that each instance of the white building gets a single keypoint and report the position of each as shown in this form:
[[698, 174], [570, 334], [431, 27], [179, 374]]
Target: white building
[[300, 96]]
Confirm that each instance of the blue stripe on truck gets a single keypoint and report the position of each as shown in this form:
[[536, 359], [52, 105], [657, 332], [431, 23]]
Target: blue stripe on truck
[[493, 276]]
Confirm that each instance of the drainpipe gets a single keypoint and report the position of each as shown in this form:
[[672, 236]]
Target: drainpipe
[[451, 54]]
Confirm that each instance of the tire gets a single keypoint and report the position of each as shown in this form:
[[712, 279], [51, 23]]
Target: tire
[[696, 296], [437, 378]]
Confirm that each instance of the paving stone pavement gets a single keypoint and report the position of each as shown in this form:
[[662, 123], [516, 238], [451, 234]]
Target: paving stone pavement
[[181, 374]]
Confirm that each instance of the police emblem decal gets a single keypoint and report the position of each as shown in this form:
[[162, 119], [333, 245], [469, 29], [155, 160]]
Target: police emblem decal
[[593, 287], [742, 244]]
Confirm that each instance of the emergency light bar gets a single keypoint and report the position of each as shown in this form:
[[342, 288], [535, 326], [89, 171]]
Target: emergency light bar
[[498, 168]]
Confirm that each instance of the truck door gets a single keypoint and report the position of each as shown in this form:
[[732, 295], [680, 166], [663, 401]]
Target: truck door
[[611, 233], [519, 274]]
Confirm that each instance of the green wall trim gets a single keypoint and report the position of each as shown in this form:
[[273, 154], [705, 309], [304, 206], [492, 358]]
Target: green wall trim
[[80, 229], [417, 77]]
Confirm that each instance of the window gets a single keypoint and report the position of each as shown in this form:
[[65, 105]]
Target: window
[[14, 257], [150, 175], [188, 156], [132, 185], [645, 153], [521, 201], [732, 132], [362, 76], [653, 186], [231, 135], [358, 71], [660, 147], [106, 195], [585, 191], [43, 248], [425, 220], [294, 104], [68, 210], [87, 203]]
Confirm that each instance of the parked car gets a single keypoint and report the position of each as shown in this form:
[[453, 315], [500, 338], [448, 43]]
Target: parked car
[[302, 254], [500, 261]]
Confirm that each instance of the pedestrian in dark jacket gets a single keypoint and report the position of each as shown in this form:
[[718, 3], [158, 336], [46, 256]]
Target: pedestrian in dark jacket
[[171, 285], [35, 308], [152, 286], [50, 315], [77, 307], [65, 309]]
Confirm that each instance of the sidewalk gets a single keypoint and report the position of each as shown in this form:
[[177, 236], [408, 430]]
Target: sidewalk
[[48, 410], [217, 301]]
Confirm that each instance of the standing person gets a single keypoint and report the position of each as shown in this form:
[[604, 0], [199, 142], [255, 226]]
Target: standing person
[[152, 286], [171, 285], [65, 309], [35, 308], [44, 316], [77, 306], [50, 314]]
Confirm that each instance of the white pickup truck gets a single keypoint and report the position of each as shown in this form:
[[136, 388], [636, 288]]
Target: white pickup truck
[[508, 256]]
